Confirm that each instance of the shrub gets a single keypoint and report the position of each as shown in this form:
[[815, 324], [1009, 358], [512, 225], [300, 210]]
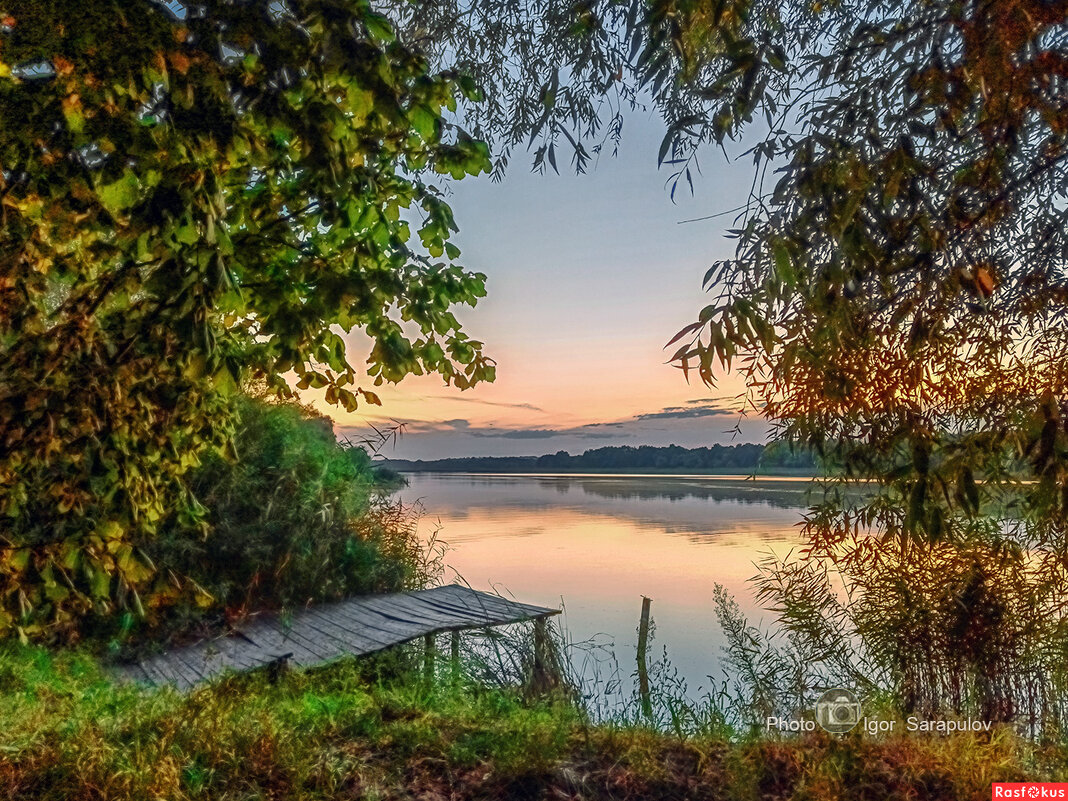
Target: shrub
[[293, 517]]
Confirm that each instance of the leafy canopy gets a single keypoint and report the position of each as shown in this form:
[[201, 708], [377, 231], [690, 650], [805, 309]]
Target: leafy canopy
[[898, 293], [897, 301], [192, 196]]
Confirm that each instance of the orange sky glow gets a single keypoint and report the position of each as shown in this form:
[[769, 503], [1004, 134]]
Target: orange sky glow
[[589, 277]]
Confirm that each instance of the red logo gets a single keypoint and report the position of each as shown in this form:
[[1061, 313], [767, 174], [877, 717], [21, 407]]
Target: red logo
[[1029, 791]]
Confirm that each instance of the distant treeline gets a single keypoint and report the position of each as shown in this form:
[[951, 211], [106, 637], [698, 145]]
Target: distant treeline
[[673, 458]]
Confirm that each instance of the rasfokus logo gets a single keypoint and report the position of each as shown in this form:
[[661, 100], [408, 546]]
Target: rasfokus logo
[[1029, 790]]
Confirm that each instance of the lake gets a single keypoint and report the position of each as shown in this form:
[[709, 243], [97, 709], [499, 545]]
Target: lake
[[596, 544]]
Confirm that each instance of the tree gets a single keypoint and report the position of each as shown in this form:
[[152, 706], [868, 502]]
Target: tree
[[192, 196], [897, 302], [898, 297], [555, 76]]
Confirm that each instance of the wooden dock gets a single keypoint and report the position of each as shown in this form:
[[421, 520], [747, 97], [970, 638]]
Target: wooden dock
[[320, 634]]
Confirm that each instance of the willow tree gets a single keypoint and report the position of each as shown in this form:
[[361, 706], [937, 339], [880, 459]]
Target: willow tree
[[192, 196], [898, 301]]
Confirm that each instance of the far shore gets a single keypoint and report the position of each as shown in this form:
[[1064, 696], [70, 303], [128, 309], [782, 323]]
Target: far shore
[[634, 472]]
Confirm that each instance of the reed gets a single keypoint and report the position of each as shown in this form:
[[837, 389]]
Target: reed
[[375, 729]]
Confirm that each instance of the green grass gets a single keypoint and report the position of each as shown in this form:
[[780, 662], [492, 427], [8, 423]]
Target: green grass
[[68, 732]]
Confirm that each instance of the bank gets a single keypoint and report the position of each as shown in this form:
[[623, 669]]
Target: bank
[[375, 729]]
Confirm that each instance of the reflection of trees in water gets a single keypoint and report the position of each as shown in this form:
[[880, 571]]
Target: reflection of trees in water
[[794, 497], [701, 511]]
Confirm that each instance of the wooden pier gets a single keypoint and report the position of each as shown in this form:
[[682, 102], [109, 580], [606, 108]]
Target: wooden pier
[[320, 634]]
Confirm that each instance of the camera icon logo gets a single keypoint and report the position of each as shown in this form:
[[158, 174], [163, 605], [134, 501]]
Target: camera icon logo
[[838, 710]]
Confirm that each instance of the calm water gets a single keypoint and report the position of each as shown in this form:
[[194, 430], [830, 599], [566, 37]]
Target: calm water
[[597, 544]]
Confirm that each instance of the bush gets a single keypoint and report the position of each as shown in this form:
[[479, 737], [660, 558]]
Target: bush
[[295, 518]]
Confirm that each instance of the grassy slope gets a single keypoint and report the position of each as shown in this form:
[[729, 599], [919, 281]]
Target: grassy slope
[[68, 733]]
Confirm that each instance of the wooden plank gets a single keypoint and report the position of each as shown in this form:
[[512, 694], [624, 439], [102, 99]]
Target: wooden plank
[[464, 616], [643, 667], [311, 650], [241, 651], [212, 660], [486, 602], [350, 641], [328, 638], [136, 673], [230, 654], [188, 658], [355, 636], [189, 676], [410, 611], [245, 646], [274, 642], [467, 616], [451, 611], [382, 631], [362, 616], [404, 607], [157, 671], [269, 643], [495, 603]]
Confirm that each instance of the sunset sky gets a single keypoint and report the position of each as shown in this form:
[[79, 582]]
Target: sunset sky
[[589, 276]]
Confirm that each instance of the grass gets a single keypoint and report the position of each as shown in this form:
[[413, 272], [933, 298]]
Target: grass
[[377, 730]]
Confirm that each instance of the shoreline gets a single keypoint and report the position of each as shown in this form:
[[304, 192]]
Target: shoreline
[[622, 473]]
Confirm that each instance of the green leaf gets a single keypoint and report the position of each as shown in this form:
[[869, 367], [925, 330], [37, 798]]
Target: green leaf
[[361, 103], [120, 195], [424, 122], [784, 267], [379, 28]]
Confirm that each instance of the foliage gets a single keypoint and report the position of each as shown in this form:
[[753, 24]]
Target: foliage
[[896, 299], [745, 456], [897, 296], [69, 734], [192, 195], [940, 630], [297, 518], [897, 303], [554, 75]]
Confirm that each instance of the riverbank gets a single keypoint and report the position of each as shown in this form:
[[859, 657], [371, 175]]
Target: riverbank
[[636, 472], [67, 732]]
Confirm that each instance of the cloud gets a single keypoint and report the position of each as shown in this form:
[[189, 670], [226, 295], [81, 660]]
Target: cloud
[[528, 406], [461, 425], [637, 426], [435, 426], [704, 407], [540, 433], [518, 433]]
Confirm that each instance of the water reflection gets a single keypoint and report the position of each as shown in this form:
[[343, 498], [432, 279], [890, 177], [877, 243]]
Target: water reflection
[[598, 543], [786, 493]]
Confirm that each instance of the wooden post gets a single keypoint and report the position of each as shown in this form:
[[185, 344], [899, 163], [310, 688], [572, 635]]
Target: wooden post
[[541, 654], [455, 657], [428, 658], [643, 667]]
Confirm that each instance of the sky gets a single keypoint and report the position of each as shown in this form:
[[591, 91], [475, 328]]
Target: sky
[[589, 277]]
